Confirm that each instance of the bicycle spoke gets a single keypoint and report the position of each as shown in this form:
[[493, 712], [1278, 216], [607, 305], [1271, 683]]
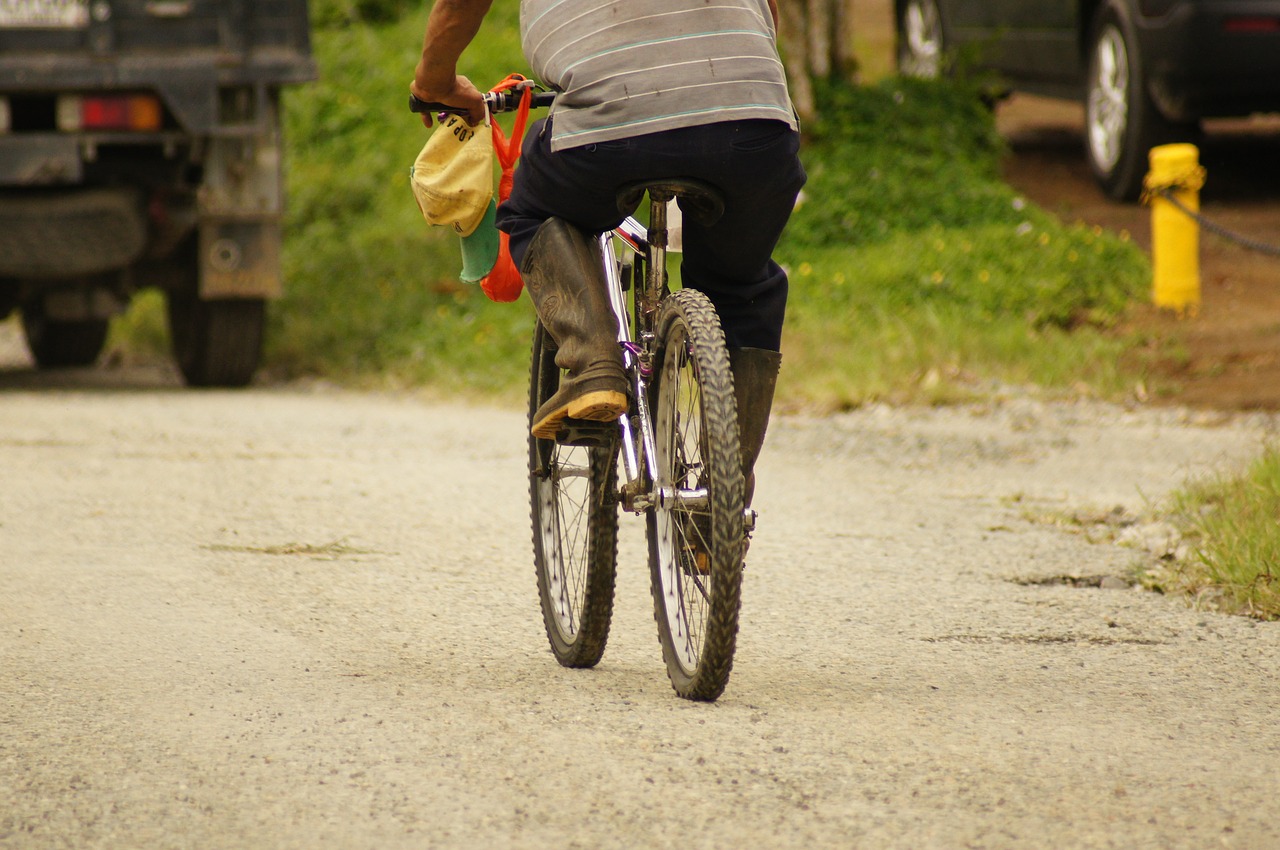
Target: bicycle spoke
[[574, 530], [695, 545]]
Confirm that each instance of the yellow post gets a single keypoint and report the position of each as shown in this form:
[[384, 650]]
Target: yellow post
[[1175, 235]]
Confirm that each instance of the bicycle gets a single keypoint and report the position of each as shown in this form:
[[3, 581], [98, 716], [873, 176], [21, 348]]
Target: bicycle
[[678, 446]]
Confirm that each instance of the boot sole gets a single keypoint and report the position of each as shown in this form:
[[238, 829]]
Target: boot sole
[[598, 406]]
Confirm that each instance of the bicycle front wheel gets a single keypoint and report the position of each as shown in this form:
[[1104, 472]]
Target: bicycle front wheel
[[573, 494], [695, 529]]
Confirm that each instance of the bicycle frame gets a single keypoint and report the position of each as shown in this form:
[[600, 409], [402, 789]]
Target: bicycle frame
[[648, 248], [636, 356]]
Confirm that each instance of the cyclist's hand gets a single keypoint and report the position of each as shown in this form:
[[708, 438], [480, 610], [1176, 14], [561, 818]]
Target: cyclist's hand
[[463, 94]]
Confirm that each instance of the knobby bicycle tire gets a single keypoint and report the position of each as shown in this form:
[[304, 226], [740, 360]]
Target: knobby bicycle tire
[[574, 511], [696, 530]]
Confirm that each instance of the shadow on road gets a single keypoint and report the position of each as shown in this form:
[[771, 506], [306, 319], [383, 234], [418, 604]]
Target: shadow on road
[[18, 373]]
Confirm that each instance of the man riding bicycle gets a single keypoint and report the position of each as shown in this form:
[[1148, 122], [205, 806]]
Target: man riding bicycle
[[649, 89]]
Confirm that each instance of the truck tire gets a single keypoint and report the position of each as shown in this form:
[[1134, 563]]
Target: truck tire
[[62, 344], [216, 343]]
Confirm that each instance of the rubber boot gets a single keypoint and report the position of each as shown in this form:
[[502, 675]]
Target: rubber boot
[[563, 272], [755, 377]]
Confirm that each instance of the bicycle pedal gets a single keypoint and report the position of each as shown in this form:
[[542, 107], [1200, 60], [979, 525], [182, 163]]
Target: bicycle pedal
[[586, 433]]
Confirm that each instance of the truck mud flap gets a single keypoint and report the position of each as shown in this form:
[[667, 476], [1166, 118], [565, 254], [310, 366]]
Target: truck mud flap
[[239, 259]]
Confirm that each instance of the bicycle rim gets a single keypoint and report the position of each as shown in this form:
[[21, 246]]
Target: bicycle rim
[[696, 529], [575, 528]]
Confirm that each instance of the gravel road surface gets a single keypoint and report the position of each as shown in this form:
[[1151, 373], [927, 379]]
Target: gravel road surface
[[300, 618]]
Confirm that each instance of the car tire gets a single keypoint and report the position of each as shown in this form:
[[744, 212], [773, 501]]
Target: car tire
[[1122, 122], [921, 41]]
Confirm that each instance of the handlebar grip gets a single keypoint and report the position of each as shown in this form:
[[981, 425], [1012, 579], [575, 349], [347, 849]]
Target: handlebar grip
[[421, 106], [502, 101]]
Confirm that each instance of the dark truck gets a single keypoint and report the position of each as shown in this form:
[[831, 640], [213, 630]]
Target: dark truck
[[140, 147]]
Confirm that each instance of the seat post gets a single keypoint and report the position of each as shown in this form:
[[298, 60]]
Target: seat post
[[658, 200]]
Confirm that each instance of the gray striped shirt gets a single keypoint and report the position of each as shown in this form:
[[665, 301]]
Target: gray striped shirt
[[630, 67]]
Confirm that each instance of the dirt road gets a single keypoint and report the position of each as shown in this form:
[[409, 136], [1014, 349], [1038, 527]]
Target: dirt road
[[288, 619], [277, 619]]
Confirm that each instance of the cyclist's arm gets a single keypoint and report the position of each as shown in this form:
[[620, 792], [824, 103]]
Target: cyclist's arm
[[451, 26]]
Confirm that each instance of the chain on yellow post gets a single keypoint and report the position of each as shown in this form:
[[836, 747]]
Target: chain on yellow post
[[1175, 235]]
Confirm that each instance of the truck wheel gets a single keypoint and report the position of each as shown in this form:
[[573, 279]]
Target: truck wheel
[[216, 343], [61, 344]]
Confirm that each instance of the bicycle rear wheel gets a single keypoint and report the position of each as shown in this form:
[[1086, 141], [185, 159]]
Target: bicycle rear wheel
[[574, 508], [696, 528]]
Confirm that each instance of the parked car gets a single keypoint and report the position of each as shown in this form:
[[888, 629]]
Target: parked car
[[1147, 71], [140, 147]]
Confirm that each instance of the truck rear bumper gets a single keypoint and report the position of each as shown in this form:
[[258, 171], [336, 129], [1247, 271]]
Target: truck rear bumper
[[70, 234]]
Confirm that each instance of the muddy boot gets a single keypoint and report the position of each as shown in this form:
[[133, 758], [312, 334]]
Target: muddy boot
[[755, 376], [562, 271]]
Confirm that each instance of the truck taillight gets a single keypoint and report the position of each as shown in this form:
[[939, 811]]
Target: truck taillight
[[1255, 24], [135, 112]]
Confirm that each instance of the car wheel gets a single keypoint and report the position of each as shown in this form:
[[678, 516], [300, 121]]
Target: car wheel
[[920, 40], [1122, 123]]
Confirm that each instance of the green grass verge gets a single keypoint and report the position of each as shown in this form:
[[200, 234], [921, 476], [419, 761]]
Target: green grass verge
[[372, 294], [1230, 524], [917, 275]]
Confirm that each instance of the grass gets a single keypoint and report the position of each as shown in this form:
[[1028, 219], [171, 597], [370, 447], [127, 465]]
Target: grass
[[372, 294], [1232, 525], [917, 275]]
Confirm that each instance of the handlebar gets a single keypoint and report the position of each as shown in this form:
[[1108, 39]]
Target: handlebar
[[497, 101]]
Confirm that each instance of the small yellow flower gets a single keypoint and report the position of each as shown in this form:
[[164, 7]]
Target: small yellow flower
[[1044, 239], [984, 276], [805, 269], [1072, 256], [938, 277]]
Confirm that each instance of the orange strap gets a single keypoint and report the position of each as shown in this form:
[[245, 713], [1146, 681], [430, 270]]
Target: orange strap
[[508, 150], [503, 283]]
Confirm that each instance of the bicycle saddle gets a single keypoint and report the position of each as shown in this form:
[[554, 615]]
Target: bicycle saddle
[[700, 201]]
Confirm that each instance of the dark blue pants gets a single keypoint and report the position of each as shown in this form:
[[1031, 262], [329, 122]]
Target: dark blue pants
[[753, 164]]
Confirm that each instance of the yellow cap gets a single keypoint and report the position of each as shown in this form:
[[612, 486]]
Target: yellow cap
[[452, 178]]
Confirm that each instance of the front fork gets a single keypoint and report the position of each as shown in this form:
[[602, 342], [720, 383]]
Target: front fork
[[642, 489]]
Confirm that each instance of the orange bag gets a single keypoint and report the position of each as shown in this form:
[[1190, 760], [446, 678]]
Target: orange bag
[[503, 283]]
